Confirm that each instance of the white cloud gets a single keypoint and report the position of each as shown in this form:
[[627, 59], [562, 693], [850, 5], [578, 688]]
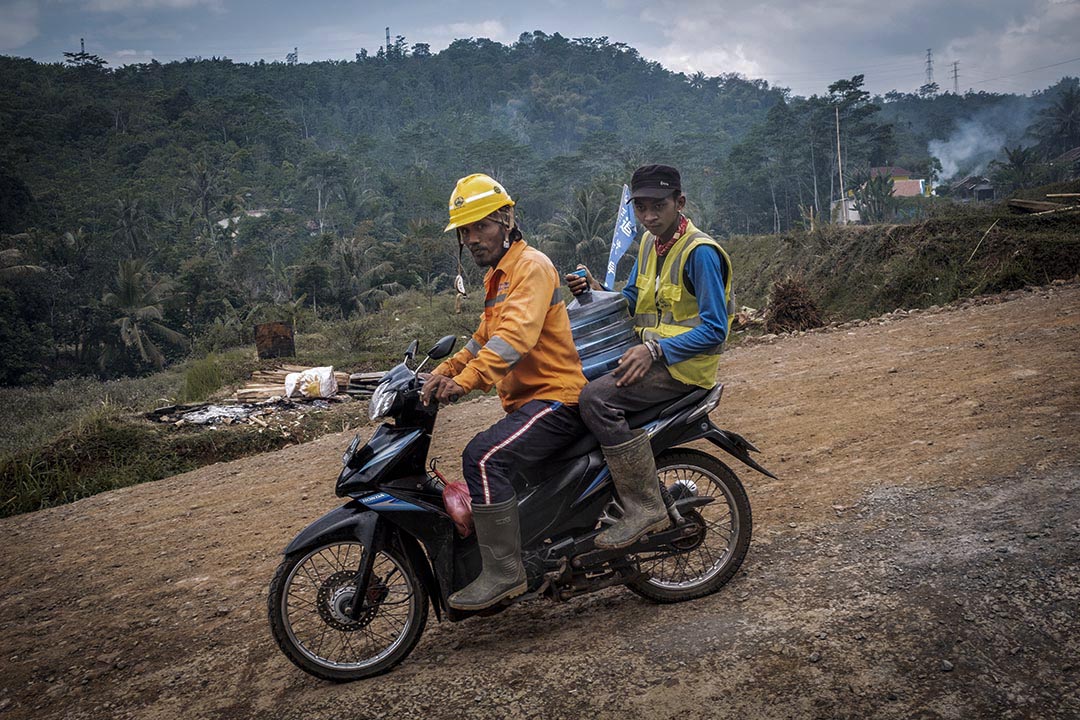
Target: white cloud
[[806, 46], [711, 62], [1005, 58], [491, 29], [122, 5], [18, 24], [129, 57]]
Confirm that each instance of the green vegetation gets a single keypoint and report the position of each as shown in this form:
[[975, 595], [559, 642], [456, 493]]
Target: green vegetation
[[108, 450], [863, 271], [203, 377], [158, 210], [82, 436]]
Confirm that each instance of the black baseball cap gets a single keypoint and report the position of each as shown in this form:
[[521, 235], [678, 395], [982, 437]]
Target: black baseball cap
[[655, 181]]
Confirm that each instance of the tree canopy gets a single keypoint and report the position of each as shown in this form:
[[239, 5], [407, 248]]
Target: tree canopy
[[234, 189]]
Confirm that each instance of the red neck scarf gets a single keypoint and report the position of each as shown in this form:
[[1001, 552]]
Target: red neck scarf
[[662, 246]]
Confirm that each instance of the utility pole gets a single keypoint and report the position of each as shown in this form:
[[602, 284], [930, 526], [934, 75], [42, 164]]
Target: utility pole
[[840, 165], [956, 77], [929, 66]]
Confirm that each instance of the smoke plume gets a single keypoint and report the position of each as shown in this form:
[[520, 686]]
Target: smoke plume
[[978, 139]]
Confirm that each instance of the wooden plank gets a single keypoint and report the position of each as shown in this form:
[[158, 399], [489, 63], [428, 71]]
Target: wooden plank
[[1064, 195], [1069, 208], [368, 376], [1034, 205]]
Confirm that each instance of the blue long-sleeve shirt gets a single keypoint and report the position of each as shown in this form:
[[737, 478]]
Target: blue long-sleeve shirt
[[704, 278]]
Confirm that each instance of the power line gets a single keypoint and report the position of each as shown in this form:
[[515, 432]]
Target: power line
[[1025, 72], [818, 71]]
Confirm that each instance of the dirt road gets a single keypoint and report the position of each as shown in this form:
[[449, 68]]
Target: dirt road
[[918, 558]]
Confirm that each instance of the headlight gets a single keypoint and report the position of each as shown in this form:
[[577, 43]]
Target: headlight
[[381, 401]]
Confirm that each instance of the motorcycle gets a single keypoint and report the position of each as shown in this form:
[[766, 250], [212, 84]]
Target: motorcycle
[[350, 599]]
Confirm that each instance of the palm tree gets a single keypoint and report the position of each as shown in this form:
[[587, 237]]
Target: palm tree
[[1058, 126], [875, 200], [1018, 170], [137, 304], [582, 233]]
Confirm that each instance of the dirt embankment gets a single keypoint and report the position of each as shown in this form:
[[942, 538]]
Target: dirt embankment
[[919, 557]]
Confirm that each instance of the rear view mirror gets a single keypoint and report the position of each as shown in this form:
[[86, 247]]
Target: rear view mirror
[[410, 352], [442, 348]]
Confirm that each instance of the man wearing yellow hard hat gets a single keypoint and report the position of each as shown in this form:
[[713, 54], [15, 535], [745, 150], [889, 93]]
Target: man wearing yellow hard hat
[[524, 349]]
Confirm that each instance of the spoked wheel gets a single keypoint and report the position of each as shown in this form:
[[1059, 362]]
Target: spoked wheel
[[712, 556], [309, 597]]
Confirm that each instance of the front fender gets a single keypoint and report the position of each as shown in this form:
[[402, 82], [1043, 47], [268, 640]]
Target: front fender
[[353, 517]]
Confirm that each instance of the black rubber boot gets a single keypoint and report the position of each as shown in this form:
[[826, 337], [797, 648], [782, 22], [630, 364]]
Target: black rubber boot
[[498, 533], [633, 469]]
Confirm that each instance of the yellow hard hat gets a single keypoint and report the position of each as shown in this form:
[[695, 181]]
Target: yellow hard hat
[[475, 197]]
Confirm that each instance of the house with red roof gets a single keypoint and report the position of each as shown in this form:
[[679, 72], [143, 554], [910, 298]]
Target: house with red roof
[[903, 184]]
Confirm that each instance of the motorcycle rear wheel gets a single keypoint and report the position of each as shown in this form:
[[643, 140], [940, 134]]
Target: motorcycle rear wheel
[[712, 559], [309, 593]]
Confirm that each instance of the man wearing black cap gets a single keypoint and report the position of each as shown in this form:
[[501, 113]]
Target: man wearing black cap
[[680, 292]]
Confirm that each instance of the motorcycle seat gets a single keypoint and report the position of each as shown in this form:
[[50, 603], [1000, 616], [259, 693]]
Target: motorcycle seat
[[588, 442]]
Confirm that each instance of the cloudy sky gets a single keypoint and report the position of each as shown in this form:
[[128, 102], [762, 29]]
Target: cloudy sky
[[999, 45]]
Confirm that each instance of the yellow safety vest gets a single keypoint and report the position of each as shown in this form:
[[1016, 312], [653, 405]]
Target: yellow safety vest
[[669, 309]]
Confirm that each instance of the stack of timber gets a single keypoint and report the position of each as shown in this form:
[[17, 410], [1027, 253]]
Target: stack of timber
[[265, 384], [361, 385], [1039, 207], [1033, 206]]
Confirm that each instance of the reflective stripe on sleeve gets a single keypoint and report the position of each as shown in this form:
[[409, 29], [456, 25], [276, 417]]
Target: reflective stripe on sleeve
[[504, 350], [669, 319], [473, 347]]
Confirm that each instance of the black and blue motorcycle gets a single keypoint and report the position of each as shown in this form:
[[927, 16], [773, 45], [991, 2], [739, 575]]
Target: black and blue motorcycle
[[351, 597]]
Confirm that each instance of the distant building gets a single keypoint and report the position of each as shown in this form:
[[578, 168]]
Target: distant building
[[973, 187], [838, 215], [896, 173], [903, 184], [1070, 160]]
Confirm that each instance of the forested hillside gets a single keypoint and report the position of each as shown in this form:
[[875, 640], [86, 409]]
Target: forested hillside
[[156, 208]]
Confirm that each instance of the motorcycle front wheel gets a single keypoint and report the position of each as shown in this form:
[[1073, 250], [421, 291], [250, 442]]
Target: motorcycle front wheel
[[708, 560], [310, 593]]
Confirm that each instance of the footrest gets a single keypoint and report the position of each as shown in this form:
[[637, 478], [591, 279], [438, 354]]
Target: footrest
[[653, 541]]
